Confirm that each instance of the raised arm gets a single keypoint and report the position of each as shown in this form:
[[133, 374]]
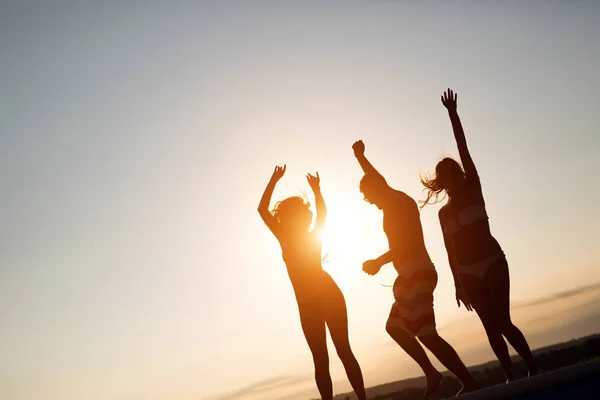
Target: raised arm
[[314, 183], [359, 153], [263, 206], [449, 101]]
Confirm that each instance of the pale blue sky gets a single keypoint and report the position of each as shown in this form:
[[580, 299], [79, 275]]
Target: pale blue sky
[[136, 139]]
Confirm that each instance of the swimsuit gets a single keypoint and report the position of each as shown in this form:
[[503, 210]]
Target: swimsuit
[[467, 216]]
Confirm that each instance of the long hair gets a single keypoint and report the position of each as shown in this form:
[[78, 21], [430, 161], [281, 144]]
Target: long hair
[[436, 190], [289, 207]]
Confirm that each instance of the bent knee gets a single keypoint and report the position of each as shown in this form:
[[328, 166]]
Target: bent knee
[[399, 334], [390, 329], [393, 326], [508, 327], [395, 331]]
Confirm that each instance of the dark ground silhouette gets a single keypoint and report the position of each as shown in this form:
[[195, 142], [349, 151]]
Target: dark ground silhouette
[[548, 358]]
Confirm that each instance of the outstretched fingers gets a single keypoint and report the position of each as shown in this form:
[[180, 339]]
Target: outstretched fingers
[[313, 180], [279, 171], [449, 98]]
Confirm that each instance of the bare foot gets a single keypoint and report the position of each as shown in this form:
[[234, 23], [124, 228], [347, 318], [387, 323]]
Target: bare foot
[[510, 377], [468, 386], [433, 382]]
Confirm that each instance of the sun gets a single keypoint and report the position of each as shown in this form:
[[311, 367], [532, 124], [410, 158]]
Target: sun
[[343, 239]]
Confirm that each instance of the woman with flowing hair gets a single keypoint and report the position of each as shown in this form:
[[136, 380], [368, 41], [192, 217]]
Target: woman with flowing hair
[[320, 301], [477, 261]]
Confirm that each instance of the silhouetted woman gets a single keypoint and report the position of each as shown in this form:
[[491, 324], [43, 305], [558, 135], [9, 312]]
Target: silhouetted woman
[[477, 261], [320, 301]]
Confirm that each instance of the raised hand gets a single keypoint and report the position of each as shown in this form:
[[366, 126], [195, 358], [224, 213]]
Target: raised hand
[[449, 100], [359, 148], [372, 267], [313, 181], [278, 173], [462, 296]]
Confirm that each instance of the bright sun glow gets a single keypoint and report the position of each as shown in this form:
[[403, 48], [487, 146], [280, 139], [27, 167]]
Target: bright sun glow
[[343, 239]]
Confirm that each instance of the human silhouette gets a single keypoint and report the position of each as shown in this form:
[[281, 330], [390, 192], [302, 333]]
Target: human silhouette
[[477, 261], [320, 301], [412, 315]]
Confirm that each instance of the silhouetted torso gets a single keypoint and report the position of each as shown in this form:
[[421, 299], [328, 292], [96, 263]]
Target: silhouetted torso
[[464, 219], [402, 226], [302, 257]]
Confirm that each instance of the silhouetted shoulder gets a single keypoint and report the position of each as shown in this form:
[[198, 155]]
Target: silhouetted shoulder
[[404, 197], [443, 212], [404, 201]]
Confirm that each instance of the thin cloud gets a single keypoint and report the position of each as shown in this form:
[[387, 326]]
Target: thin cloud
[[262, 386], [558, 296]]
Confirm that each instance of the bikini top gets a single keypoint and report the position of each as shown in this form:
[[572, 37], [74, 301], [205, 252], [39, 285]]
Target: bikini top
[[466, 216]]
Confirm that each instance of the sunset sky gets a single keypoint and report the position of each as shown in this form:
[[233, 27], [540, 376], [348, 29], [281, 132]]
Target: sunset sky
[[137, 137]]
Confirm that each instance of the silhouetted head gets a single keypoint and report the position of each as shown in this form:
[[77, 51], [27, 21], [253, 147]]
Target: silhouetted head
[[449, 177], [293, 214], [374, 189]]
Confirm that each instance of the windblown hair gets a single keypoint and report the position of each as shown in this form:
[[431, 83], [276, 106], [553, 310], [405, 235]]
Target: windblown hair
[[436, 191], [433, 188], [288, 207]]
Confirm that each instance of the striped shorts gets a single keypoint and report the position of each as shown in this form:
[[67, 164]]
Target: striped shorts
[[413, 293]]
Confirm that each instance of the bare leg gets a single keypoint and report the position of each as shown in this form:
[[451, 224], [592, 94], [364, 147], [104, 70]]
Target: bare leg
[[413, 348], [498, 290], [450, 359], [494, 334], [337, 321], [482, 303], [517, 340], [313, 326]]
